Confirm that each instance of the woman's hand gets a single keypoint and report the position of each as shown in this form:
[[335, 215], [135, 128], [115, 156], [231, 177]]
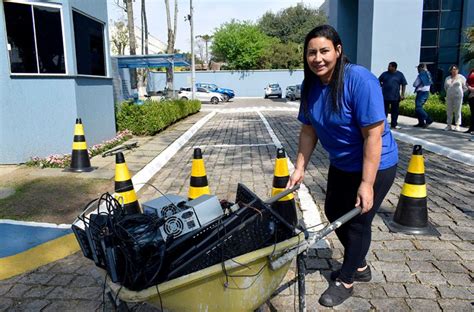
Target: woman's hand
[[365, 197], [296, 178]]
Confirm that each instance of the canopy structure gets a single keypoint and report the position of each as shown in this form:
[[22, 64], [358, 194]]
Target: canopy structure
[[151, 60]]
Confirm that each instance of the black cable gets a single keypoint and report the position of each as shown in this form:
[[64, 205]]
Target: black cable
[[159, 296]]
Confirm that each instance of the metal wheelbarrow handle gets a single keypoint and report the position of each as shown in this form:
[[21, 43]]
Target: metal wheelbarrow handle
[[288, 256]]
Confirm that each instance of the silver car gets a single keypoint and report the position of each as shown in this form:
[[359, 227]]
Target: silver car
[[273, 89], [293, 92]]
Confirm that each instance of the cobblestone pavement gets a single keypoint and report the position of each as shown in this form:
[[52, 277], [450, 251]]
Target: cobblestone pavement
[[409, 272]]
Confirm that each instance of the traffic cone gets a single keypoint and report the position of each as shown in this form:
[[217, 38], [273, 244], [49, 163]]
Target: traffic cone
[[198, 185], [286, 206], [125, 193], [411, 215], [80, 161]]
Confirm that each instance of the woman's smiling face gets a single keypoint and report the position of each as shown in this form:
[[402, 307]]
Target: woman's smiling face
[[322, 56]]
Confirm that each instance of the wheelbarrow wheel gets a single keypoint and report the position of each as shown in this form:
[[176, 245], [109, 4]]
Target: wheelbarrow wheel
[[118, 305]]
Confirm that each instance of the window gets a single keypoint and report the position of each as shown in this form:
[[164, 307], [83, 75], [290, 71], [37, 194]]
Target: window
[[89, 39], [35, 39], [451, 19], [429, 38], [430, 4], [449, 38], [430, 20]]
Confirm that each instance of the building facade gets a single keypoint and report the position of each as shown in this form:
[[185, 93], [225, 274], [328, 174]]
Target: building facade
[[376, 32], [54, 68]]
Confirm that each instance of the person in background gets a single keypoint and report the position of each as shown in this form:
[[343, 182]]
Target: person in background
[[422, 88], [393, 84], [342, 106], [470, 86], [455, 86]]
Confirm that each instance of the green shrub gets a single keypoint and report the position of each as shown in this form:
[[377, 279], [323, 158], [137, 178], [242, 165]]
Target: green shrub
[[152, 116], [435, 107]]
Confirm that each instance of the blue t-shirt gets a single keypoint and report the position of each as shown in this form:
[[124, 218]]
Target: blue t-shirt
[[391, 83], [339, 132]]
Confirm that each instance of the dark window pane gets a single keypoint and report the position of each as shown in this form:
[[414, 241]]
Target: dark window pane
[[451, 19], [449, 38], [430, 20], [428, 55], [452, 5], [20, 36], [430, 4], [429, 38], [89, 39], [49, 40], [448, 55]]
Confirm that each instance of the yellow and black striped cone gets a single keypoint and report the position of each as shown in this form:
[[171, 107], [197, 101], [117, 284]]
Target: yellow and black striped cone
[[286, 206], [80, 161], [125, 193], [411, 215], [198, 185]]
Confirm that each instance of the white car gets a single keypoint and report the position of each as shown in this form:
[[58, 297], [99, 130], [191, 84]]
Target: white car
[[273, 89], [201, 94]]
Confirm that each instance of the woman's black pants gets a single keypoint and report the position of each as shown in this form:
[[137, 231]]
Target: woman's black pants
[[356, 234]]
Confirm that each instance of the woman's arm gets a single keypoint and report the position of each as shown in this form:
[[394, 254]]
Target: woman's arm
[[370, 165], [307, 142]]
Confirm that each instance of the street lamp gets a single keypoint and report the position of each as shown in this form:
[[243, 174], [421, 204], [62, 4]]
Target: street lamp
[[193, 65]]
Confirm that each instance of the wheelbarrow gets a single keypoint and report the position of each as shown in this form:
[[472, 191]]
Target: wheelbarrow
[[242, 283]]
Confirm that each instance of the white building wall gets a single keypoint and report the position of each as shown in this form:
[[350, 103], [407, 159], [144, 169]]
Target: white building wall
[[396, 36]]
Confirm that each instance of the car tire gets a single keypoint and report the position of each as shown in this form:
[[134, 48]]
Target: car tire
[[279, 96], [292, 98], [214, 100], [225, 97], [265, 96], [184, 98]]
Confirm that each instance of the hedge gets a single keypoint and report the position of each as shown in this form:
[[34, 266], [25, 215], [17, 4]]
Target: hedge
[[435, 107], [152, 116]]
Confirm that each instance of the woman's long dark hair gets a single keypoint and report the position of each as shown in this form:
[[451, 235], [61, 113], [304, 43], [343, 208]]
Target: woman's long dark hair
[[336, 84]]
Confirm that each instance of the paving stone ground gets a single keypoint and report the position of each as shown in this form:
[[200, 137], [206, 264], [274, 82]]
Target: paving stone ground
[[409, 272]]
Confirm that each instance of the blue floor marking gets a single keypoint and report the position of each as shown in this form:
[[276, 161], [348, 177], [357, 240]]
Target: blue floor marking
[[16, 238]]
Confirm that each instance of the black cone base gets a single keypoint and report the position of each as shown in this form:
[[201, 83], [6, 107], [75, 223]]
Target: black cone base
[[429, 229], [87, 169]]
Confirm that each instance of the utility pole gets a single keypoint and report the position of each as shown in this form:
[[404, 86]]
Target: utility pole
[[193, 65]]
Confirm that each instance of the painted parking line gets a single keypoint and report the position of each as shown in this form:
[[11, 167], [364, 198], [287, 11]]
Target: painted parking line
[[311, 216]]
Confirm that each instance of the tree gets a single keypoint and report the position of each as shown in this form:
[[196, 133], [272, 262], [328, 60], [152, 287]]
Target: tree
[[127, 6], [144, 29], [284, 55], [468, 47], [206, 39], [171, 39], [291, 24], [241, 45], [119, 37]]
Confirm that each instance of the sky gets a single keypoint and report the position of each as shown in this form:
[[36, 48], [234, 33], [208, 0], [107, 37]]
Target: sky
[[208, 15]]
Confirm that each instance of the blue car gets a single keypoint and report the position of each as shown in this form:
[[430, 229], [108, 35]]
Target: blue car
[[227, 94]]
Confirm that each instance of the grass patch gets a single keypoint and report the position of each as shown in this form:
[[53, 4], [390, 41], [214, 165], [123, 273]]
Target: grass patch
[[51, 199]]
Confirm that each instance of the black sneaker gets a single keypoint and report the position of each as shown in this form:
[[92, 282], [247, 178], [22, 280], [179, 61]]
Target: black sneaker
[[335, 294], [360, 276], [418, 126], [427, 124]]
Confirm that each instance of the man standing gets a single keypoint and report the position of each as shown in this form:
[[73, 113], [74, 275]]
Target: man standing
[[393, 84]]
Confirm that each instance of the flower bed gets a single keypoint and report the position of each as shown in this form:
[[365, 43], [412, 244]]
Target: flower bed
[[64, 160]]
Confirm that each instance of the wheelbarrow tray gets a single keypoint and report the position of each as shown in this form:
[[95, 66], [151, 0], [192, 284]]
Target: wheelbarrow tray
[[249, 283]]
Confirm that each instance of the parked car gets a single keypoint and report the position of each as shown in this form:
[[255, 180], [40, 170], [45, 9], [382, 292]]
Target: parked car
[[201, 94], [273, 89], [227, 94], [293, 92]]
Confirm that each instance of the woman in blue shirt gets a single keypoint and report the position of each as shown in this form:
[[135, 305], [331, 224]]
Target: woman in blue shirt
[[342, 107]]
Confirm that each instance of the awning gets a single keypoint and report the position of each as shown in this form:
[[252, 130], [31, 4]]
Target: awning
[[151, 60]]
